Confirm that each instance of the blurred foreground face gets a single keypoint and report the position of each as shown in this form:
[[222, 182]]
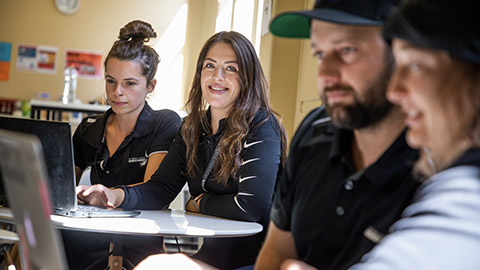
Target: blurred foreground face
[[420, 82], [354, 66]]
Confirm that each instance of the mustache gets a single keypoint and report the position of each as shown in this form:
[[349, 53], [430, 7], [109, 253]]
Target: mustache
[[337, 87]]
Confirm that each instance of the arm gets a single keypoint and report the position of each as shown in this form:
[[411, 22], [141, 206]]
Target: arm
[[166, 127], [279, 246], [164, 185], [440, 230], [256, 178], [152, 165]]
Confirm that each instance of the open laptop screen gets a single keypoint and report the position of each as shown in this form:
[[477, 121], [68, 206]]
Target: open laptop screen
[[56, 141]]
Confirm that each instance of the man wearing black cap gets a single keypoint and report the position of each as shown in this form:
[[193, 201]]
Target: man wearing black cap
[[348, 174]]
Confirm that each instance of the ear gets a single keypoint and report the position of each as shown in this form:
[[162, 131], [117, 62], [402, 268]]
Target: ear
[[151, 85]]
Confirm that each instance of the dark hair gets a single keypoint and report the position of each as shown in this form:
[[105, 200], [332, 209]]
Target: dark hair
[[131, 46], [252, 97]]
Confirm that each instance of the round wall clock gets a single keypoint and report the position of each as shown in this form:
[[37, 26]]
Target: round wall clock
[[67, 7]]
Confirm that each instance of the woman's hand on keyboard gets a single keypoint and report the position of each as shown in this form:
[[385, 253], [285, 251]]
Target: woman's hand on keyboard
[[100, 195]]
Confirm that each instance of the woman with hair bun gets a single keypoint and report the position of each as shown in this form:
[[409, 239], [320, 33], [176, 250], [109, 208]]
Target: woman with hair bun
[[126, 144]]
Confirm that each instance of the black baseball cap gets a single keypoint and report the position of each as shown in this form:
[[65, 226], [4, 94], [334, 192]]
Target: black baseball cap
[[447, 25], [296, 24]]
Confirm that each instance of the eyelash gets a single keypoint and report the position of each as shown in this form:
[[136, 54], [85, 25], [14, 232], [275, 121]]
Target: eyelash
[[229, 68], [343, 51]]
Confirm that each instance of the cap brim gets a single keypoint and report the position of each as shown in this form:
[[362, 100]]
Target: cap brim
[[297, 24]]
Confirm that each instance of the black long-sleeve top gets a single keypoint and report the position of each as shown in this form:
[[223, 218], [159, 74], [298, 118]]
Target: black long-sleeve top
[[246, 197]]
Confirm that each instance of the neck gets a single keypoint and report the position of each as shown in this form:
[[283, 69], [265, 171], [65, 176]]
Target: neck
[[371, 142], [215, 120], [124, 123]]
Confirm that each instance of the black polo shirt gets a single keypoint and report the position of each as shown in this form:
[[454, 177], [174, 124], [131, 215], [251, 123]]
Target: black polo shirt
[[335, 213], [153, 133]]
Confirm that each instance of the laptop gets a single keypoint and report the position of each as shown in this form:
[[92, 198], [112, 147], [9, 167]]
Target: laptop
[[28, 194], [56, 140]]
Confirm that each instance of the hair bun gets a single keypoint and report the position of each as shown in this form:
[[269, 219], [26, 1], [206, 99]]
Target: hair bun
[[137, 30]]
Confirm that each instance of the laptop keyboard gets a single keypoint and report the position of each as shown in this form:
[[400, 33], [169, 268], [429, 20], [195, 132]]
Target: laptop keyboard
[[89, 208]]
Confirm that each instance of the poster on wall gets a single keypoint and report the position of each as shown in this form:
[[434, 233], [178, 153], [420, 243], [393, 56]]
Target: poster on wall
[[5, 52], [88, 64], [37, 58]]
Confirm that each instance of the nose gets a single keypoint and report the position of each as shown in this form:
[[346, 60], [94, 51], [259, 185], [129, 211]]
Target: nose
[[328, 70], [219, 73], [396, 90], [118, 89]]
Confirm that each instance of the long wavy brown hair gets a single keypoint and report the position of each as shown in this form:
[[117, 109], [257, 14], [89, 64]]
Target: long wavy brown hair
[[252, 97]]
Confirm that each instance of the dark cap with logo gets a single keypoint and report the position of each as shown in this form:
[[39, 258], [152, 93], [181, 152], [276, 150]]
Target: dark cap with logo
[[296, 24], [453, 26]]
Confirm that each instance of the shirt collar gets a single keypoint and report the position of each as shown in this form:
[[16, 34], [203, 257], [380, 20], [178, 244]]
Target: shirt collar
[[393, 164], [145, 122], [394, 161], [469, 157]]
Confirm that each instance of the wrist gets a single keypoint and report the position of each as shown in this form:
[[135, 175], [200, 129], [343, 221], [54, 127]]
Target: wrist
[[195, 203], [119, 195]]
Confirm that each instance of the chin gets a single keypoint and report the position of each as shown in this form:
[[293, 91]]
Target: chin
[[415, 141]]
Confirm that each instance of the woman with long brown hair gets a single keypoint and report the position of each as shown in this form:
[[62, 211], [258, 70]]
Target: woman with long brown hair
[[229, 150]]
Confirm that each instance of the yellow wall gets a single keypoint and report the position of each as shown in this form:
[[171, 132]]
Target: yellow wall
[[290, 69], [288, 64], [93, 28]]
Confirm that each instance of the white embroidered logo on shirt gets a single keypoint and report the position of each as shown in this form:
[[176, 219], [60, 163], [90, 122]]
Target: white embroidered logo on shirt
[[241, 179], [250, 160], [141, 160], [247, 145]]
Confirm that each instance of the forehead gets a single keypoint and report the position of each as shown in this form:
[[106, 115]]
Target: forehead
[[405, 51], [115, 65], [326, 33], [221, 50]]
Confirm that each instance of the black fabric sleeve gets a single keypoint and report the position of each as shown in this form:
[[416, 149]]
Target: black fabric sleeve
[[256, 178], [167, 125], [165, 183]]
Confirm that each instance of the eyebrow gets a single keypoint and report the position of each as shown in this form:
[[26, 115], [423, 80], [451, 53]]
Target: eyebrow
[[228, 62], [126, 79]]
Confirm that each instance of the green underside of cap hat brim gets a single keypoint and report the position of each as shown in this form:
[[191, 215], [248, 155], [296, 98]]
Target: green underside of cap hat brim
[[291, 26]]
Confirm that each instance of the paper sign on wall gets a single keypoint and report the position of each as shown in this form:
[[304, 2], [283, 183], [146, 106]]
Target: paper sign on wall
[[37, 58], [88, 64], [5, 52]]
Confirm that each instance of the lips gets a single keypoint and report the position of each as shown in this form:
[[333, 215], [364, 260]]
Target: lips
[[334, 96], [412, 117], [218, 89], [118, 104]]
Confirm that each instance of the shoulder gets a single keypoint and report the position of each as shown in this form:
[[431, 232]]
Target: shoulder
[[166, 118], [161, 115], [456, 189], [166, 113], [263, 121], [315, 127], [91, 124]]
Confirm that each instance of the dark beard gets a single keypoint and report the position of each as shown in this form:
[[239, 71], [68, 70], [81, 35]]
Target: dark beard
[[367, 111]]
